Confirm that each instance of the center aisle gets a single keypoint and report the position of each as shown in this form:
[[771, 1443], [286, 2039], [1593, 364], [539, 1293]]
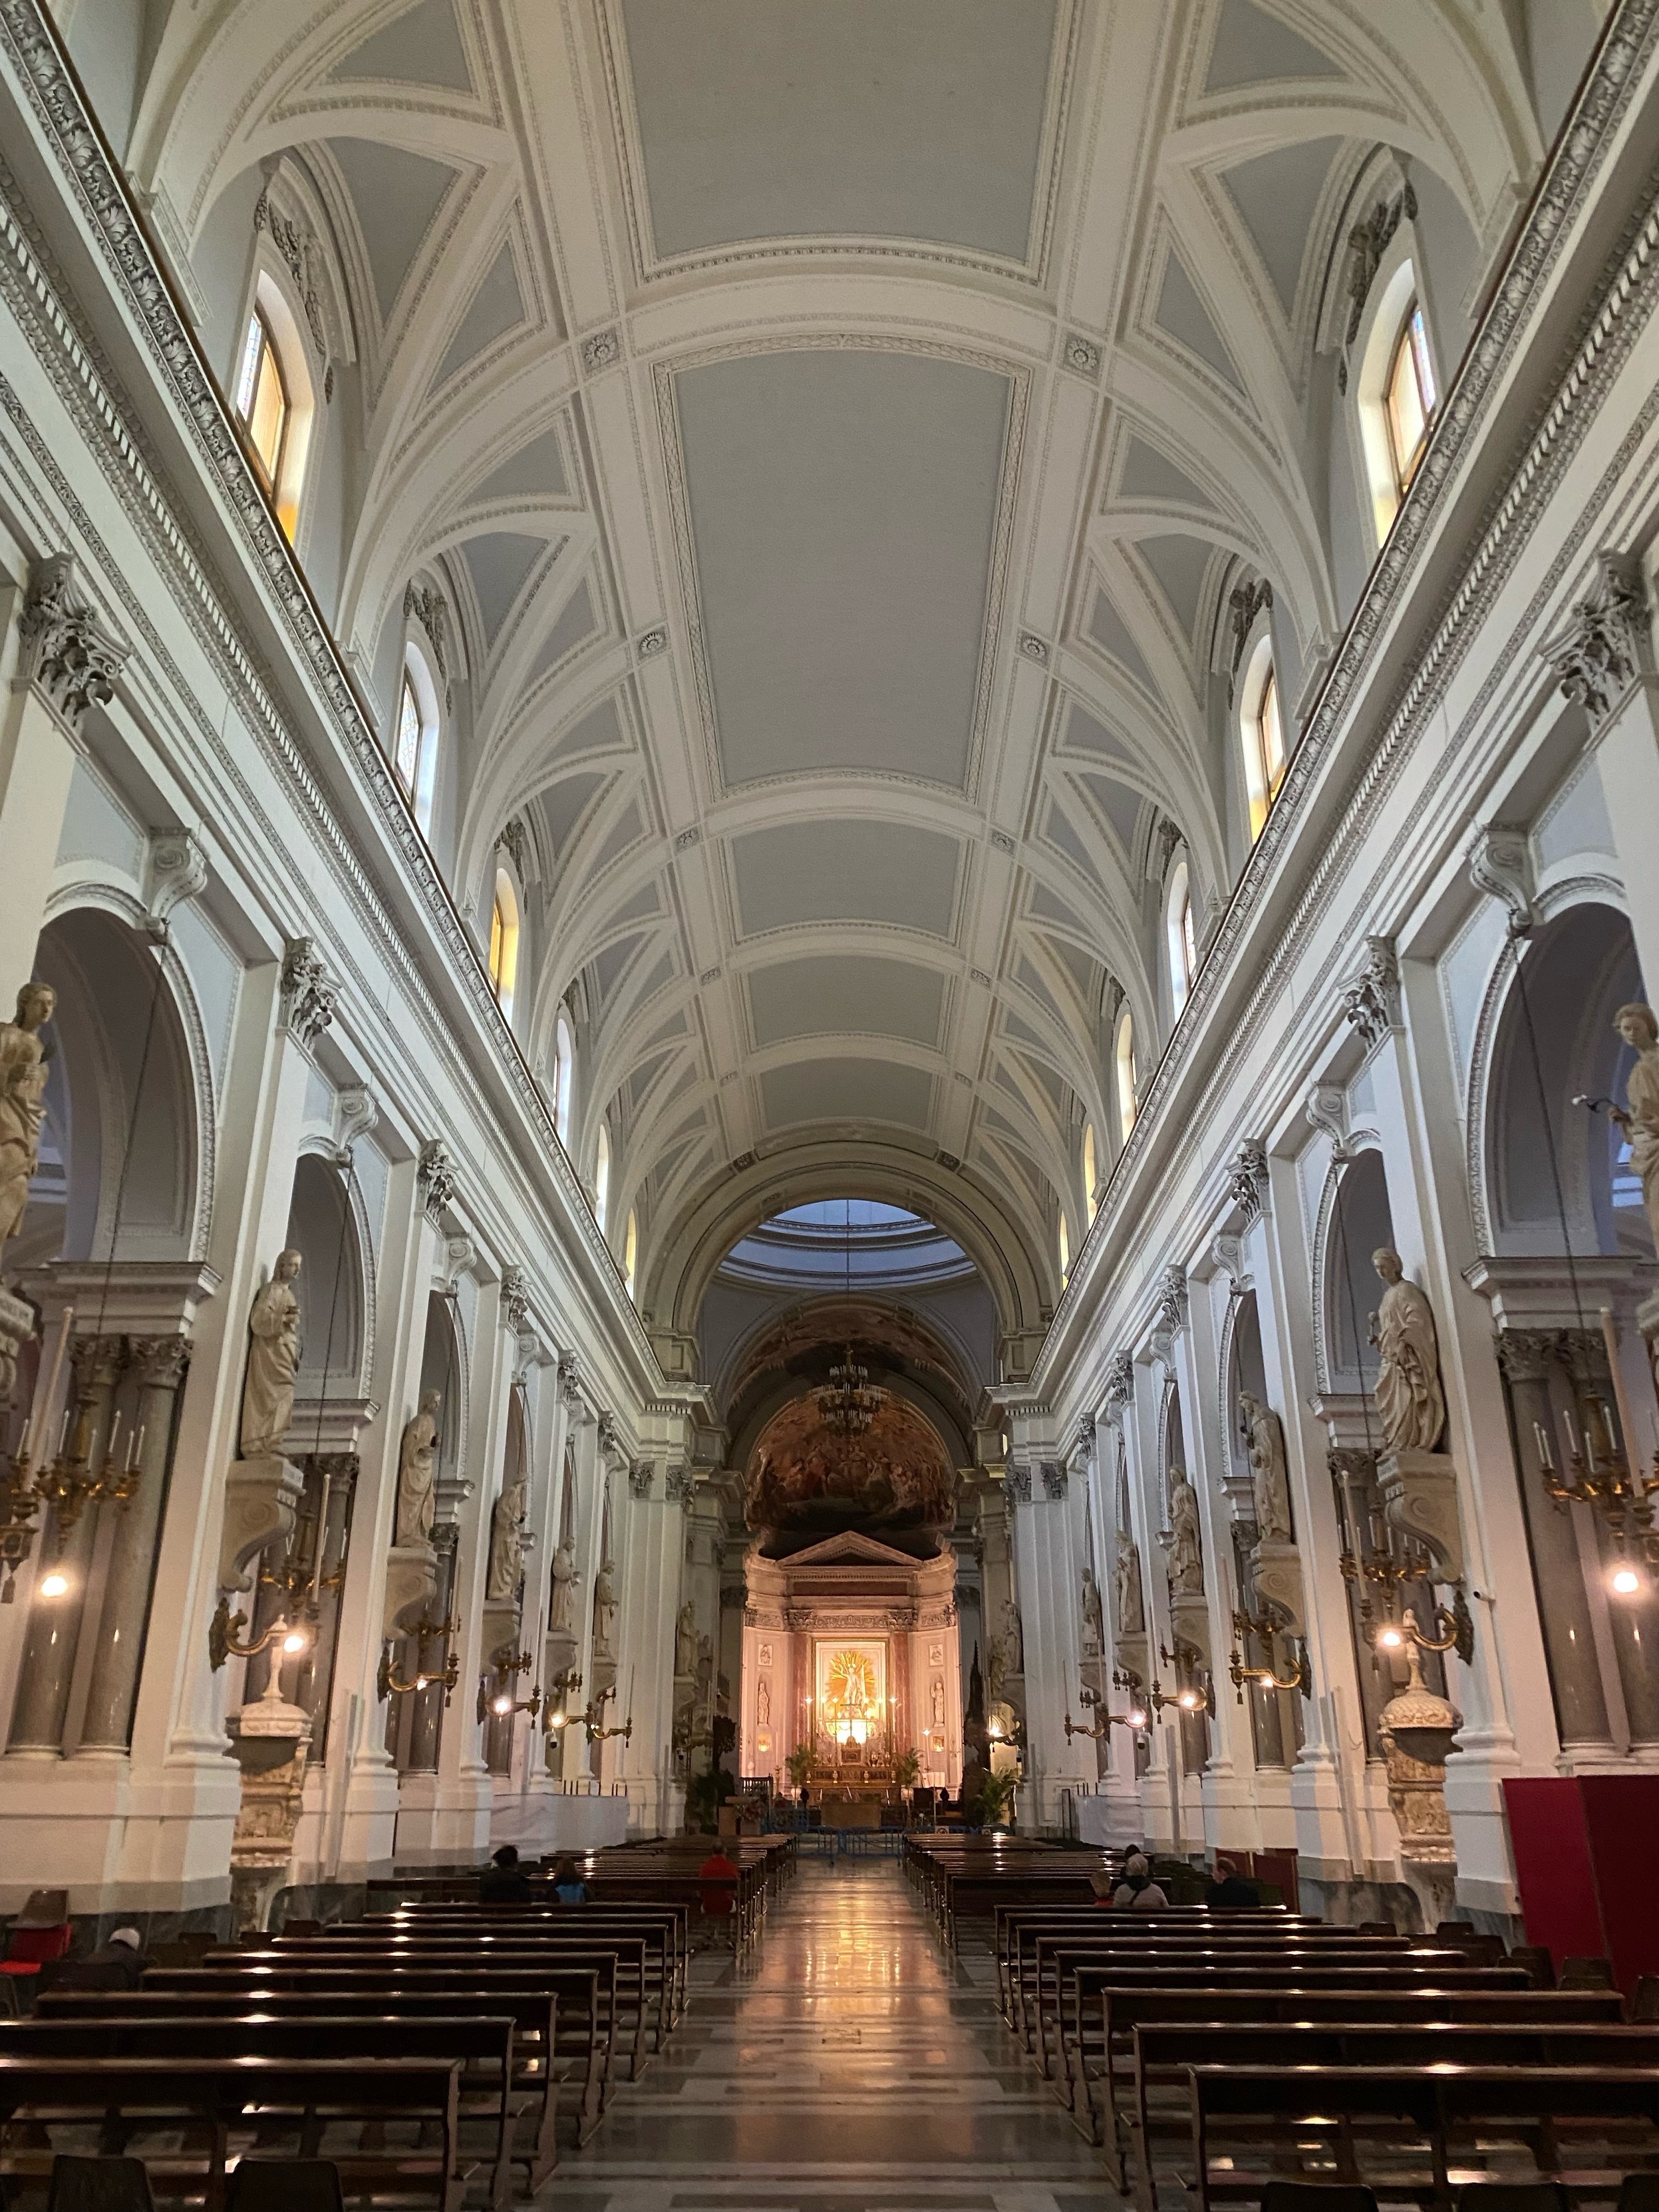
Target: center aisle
[[855, 2066]]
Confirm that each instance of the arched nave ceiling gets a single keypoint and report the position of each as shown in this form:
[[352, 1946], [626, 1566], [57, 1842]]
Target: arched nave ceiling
[[836, 432]]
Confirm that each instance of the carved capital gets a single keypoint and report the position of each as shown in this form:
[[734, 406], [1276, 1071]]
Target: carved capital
[[1248, 1185], [1017, 1484], [1500, 863], [570, 1381], [1120, 1383], [1053, 1480], [515, 1297], [1172, 1298], [1371, 1002], [307, 997], [159, 1362], [69, 656], [1606, 642], [1526, 1355], [436, 1177], [678, 1484], [641, 1474]]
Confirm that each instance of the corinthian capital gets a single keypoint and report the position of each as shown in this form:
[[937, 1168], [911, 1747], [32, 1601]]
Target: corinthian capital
[[1606, 642], [69, 656]]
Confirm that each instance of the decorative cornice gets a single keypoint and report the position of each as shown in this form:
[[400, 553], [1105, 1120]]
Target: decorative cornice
[[69, 656], [1606, 641]]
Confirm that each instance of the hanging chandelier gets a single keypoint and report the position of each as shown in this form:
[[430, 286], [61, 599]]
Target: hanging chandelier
[[850, 1401]]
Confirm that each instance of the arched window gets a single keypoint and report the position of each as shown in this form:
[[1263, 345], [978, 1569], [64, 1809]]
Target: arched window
[[415, 749], [1090, 1167], [630, 1251], [602, 1178], [1409, 397], [273, 398], [1262, 728], [1181, 935], [504, 941], [564, 1077], [1064, 1246], [1128, 1104]]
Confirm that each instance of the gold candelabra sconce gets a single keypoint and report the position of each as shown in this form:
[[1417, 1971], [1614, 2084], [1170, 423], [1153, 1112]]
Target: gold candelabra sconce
[[1269, 1677], [1602, 1477], [289, 1638], [1375, 1557], [499, 1703], [1105, 1721], [444, 1677], [595, 1713], [561, 1687], [66, 1483], [1453, 1630]]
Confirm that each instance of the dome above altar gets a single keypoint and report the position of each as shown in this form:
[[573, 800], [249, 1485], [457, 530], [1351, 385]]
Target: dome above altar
[[807, 1478]]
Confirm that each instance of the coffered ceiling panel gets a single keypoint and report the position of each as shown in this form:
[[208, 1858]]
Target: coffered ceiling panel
[[833, 871], [859, 118], [822, 996], [843, 507]]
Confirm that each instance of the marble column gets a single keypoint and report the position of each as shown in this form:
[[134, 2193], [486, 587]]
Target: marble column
[[431, 1657], [54, 1628], [159, 1364]]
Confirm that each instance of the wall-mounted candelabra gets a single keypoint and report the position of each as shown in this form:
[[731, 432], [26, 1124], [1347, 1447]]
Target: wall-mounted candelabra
[[1376, 1558], [1135, 1719], [290, 1639], [561, 1687], [1598, 1473], [386, 1683], [495, 1689], [595, 1714], [1300, 1676], [1454, 1626], [66, 1483]]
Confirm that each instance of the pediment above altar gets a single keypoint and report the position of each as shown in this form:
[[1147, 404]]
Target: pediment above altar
[[850, 1547]]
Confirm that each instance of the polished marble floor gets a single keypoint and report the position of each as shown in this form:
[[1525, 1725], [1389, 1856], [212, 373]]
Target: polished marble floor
[[852, 2066]]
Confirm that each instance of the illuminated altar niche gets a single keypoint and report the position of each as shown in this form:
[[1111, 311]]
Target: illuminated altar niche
[[850, 1692]]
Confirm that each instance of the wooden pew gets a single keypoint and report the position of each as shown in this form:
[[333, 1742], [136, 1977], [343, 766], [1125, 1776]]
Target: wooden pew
[[483, 2045], [350, 2019], [1432, 2105], [585, 1998], [673, 1920], [1126, 2009], [221, 2094]]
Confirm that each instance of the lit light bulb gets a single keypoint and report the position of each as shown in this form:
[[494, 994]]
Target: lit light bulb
[[293, 1641], [503, 1704], [54, 1584], [1137, 1719], [1187, 1700], [1626, 1580], [420, 1681], [1390, 1639], [558, 1720]]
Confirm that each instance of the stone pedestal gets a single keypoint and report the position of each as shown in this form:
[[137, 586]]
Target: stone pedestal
[[500, 1638], [411, 1587], [271, 1739], [260, 1499], [1189, 1617], [1418, 1728], [1277, 1571], [1420, 1499]]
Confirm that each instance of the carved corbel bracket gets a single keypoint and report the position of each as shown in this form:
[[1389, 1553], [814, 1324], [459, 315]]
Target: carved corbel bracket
[[1276, 1570], [260, 1498], [355, 1112], [1372, 1002], [1419, 1499], [1500, 863], [411, 1587], [175, 870], [1326, 1110]]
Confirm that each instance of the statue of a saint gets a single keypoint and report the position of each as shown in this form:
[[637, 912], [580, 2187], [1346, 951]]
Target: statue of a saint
[[507, 1540], [1186, 1557], [685, 1641], [764, 1704], [23, 1069], [562, 1612], [1094, 1625], [936, 1696], [273, 1361], [1409, 1398], [1269, 1482], [417, 1503], [1131, 1609], [1638, 1026], [604, 1609], [1014, 1636]]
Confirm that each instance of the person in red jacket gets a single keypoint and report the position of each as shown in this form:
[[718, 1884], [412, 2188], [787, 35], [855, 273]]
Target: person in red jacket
[[719, 1877]]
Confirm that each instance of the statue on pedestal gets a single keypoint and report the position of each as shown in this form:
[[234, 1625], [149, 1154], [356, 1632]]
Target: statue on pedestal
[[604, 1610], [1094, 1624], [685, 1641], [1186, 1556], [273, 1361], [561, 1614], [1409, 1400], [1131, 1609], [1270, 1483], [506, 1540], [1638, 1118], [1013, 1637], [23, 1070], [417, 1503]]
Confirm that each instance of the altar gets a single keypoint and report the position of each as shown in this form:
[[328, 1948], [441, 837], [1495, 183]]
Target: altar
[[850, 1664]]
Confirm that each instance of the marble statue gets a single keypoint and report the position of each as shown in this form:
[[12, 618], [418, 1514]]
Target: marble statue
[[506, 1540], [1269, 1482], [417, 1503], [1409, 1398], [685, 1641], [764, 1704], [1638, 1118], [1094, 1624], [1014, 1637], [273, 1361], [562, 1612], [936, 1696], [604, 1609], [23, 1070], [1131, 1610], [1186, 1559]]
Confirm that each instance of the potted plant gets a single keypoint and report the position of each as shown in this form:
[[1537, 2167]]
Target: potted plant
[[704, 1796], [799, 1766], [993, 1800], [907, 1769]]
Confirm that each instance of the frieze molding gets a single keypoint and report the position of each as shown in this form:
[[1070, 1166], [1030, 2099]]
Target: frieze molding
[[69, 656], [1606, 641]]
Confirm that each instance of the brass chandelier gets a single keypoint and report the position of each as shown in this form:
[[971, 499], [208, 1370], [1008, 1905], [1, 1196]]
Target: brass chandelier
[[850, 1401]]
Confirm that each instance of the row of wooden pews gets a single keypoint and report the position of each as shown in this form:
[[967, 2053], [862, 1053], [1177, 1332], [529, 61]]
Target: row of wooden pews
[[438, 2049], [1230, 2051]]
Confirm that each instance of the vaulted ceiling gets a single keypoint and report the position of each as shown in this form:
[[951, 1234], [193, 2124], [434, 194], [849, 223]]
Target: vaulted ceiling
[[834, 430]]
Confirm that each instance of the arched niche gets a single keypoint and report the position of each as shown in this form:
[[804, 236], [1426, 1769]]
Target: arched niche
[[1555, 1042], [443, 1369], [1358, 1223], [323, 1227], [120, 1145]]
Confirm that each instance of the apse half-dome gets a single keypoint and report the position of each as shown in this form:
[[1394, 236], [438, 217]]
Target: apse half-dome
[[807, 1478]]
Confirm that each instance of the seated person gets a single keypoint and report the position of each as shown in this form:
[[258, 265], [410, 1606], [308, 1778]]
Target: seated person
[[123, 1950], [719, 1877], [1230, 1889], [1138, 1891], [568, 1884], [504, 1882]]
